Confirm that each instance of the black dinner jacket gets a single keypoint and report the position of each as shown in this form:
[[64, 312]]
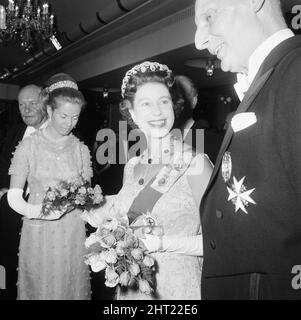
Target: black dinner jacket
[[12, 139], [10, 221], [268, 154]]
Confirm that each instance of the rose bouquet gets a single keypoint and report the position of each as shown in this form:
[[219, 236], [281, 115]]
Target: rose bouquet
[[115, 249], [69, 195]]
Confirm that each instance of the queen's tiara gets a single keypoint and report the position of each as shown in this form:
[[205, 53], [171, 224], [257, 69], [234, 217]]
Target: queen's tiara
[[143, 67], [63, 84]]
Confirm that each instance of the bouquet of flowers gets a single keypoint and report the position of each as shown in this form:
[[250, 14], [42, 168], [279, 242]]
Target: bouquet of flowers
[[69, 195], [115, 249]]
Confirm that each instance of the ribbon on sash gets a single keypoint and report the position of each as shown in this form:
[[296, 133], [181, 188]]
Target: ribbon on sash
[[161, 183]]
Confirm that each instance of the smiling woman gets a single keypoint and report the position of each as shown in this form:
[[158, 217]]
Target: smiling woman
[[153, 110], [162, 189]]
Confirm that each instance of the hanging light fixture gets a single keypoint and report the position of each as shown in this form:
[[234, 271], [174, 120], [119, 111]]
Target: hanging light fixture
[[210, 67], [27, 21], [210, 64]]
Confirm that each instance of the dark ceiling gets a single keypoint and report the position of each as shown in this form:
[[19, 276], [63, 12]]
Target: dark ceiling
[[88, 24], [83, 26]]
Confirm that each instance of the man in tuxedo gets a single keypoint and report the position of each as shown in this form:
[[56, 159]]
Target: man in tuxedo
[[251, 210], [34, 117], [207, 141]]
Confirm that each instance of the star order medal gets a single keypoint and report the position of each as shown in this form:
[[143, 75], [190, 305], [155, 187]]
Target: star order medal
[[239, 195], [227, 166]]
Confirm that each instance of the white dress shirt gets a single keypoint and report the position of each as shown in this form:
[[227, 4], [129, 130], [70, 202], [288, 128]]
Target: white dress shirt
[[30, 130], [244, 80]]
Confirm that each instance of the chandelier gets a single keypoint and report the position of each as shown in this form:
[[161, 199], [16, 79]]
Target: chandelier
[[28, 22]]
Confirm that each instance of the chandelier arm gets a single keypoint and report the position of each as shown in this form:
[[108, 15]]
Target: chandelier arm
[[34, 57], [45, 53], [99, 18], [82, 29], [26, 65], [122, 7]]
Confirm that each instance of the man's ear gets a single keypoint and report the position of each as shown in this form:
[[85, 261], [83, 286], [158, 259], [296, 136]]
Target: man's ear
[[257, 5], [194, 101]]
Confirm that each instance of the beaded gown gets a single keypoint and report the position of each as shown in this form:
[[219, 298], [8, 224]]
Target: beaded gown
[[51, 253], [178, 276]]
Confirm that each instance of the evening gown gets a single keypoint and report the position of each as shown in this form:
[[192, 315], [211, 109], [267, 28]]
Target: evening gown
[[51, 253], [178, 276]]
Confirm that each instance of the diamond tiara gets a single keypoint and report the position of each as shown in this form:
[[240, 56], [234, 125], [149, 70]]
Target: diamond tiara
[[143, 67], [63, 84]]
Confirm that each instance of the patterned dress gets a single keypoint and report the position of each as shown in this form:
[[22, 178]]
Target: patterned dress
[[51, 254], [178, 276]]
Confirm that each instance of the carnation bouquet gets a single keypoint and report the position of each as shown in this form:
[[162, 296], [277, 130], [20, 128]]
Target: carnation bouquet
[[116, 249], [66, 196]]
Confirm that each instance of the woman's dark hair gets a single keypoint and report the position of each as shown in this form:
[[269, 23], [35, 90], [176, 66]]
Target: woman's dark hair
[[62, 86], [149, 76]]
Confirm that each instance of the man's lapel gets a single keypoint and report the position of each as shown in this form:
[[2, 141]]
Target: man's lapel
[[251, 94], [19, 135]]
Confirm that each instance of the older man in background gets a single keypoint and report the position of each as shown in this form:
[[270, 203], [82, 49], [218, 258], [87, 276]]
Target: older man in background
[[34, 117]]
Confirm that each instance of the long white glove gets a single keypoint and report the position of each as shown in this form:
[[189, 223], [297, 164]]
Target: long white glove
[[98, 216], [192, 245], [30, 211]]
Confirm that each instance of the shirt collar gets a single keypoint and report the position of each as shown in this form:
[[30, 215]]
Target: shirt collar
[[265, 49], [244, 81], [43, 126]]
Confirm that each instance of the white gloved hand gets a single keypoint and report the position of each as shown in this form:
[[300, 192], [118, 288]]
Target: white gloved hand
[[96, 217], [30, 211], [151, 243], [192, 245], [93, 217]]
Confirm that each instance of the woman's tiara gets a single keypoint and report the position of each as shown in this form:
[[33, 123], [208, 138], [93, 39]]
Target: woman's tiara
[[143, 67], [62, 84]]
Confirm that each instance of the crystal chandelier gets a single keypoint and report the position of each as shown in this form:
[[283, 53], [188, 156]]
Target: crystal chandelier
[[27, 21]]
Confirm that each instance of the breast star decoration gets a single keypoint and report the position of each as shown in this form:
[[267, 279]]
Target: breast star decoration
[[239, 195]]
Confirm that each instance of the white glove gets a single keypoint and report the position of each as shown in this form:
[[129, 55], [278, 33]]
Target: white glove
[[91, 218], [30, 211], [96, 217], [192, 246]]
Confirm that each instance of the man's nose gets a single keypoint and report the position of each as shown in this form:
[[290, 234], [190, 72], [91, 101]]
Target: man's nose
[[201, 38], [27, 108]]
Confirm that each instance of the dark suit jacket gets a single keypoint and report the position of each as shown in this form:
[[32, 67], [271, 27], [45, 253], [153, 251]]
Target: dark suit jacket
[[10, 221], [252, 255], [9, 145]]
